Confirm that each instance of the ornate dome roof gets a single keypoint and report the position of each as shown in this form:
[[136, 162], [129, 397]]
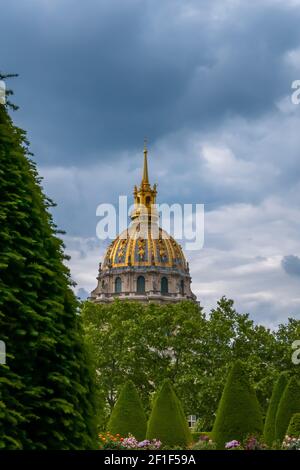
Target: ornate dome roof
[[132, 249], [144, 263]]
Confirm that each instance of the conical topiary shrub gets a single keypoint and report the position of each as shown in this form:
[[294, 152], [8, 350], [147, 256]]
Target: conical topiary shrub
[[278, 389], [167, 421], [128, 416], [294, 426], [288, 406], [239, 413]]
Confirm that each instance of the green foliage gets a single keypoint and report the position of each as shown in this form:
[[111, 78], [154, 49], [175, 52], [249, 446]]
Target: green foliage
[[269, 427], [294, 426], [196, 435], [135, 341], [239, 412], [289, 405], [204, 445], [167, 422], [128, 416], [46, 386]]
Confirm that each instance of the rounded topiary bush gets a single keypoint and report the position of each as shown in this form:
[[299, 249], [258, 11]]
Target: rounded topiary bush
[[278, 389], [294, 426], [288, 406], [167, 421], [239, 413], [128, 416]]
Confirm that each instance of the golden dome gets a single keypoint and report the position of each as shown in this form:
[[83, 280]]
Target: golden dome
[[144, 263], [131, 249]]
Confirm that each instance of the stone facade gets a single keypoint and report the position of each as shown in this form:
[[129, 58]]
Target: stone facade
[[176, 288]]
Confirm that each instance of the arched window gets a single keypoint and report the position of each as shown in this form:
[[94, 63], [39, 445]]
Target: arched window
[[140, 285], [147, 201], [182, 287], [164, 285], [118, 285]]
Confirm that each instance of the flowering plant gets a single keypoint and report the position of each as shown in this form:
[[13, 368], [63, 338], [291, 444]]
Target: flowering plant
[[204, 443], [233, 445], [115, 441], [131, 442], [149, 445], [291, 443], [110, 441], [204, 437], [252, 443]]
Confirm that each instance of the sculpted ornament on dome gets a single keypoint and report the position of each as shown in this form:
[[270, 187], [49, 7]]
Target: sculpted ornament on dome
[[122, 247], [161, 249], [141, 248]]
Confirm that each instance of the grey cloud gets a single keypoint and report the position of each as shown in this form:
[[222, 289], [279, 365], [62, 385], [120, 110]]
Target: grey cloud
[[95, 80], [291, 265], [82, 293]]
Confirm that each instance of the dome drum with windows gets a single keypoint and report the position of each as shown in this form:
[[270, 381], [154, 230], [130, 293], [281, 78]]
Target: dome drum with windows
[[144, 262]]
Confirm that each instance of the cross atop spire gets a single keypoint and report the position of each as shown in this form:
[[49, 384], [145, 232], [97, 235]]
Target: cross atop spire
[[145, 195], [145, 179]]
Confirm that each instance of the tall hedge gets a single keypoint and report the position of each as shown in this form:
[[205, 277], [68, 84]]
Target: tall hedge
[[289, 405], [46, 385], [128, 416], [294, 426], [278, 389], [167, 421], [239, 412]]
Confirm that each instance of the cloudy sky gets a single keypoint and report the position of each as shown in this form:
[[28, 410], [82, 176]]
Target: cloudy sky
[[209, 83]]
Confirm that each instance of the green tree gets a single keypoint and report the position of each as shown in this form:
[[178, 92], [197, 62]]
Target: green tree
[[289, 405], [167, 421], [239, 413], [227, 337], [269, 427], [147, 343], [46, 392], [294, 426], [128, 416]]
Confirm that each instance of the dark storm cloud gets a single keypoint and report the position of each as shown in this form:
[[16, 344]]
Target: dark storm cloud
[[291, 265], [209, 83], [97, 77]]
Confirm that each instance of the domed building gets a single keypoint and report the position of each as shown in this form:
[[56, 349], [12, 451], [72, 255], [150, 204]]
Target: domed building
[[144, 263]]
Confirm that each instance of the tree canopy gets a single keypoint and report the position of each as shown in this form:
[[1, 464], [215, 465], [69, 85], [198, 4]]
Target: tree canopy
[[148, 343]]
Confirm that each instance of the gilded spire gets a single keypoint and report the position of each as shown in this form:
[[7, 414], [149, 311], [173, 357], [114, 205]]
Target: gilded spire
[[145, 179], [145, 195]]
